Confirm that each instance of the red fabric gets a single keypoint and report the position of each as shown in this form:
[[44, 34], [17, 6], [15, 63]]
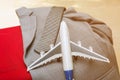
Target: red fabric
[[12, 66]]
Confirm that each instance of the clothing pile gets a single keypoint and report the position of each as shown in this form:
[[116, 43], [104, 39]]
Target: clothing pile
[[27, 45]]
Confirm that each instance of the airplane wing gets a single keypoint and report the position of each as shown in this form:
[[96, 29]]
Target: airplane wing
[[77, 50], [47, 57]]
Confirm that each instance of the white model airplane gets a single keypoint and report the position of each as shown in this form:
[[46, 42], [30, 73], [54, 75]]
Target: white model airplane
[[66, 49]]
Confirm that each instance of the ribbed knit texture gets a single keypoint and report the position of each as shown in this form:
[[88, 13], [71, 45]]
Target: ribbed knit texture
[[51, 29]]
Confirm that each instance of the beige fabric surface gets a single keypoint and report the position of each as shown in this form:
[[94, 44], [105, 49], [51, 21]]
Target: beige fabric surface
[[83, 27], [51, 29]]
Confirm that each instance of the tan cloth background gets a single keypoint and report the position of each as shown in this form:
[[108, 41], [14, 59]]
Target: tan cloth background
[[105, 10]]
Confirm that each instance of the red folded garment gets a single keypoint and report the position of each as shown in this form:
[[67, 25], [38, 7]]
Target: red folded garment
[[12, 66]]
